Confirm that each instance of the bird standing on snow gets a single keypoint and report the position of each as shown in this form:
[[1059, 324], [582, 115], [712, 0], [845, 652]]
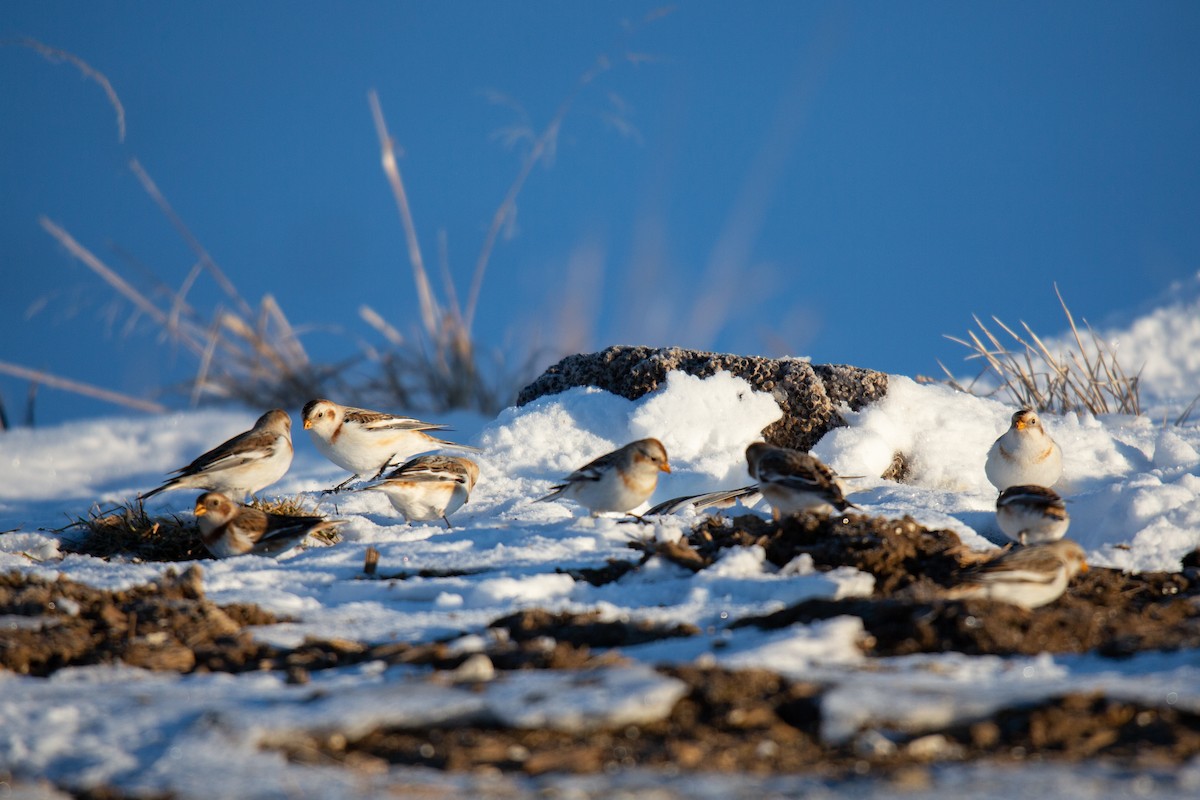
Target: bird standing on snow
[[247, 463], [1026, 576], [1032, 514], [430, 487], [618, 481], [1024, 455], [368, 442], [231, 529], [794, 482]]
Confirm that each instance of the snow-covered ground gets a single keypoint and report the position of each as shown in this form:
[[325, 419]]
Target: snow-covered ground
[[1133, 486]]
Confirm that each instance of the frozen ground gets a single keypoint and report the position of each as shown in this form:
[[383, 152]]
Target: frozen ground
[[1133, 486]]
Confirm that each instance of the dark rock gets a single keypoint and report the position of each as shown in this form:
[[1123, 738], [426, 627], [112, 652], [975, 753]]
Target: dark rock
[[809, 394]]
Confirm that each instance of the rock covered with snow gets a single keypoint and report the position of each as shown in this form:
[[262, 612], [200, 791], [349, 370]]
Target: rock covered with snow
[[809, 394]]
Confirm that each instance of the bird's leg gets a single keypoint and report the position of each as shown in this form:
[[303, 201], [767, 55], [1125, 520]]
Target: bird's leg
[[446, 520], [386, 466], [341, 485]]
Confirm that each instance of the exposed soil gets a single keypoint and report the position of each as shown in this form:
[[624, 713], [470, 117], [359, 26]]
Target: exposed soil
[[1073, 624], [170, 625], [167, 625], [746, 721], [587, 630], [754, 721]]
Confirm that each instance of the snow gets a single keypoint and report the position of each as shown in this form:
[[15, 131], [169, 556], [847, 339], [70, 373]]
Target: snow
[[1132, 485]]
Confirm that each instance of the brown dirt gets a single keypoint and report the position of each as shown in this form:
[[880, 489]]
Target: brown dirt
[[1082, 726], [747, 721], [587, 630], [754, 721], [167, 625], [1104, 610]]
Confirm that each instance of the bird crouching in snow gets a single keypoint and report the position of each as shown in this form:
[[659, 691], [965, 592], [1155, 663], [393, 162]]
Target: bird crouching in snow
[[429, 487], [618, 481], [793, 482], [1024, 454], [244, 465], [1029, 577], [1032, 514], [232, 529], [366, 443]]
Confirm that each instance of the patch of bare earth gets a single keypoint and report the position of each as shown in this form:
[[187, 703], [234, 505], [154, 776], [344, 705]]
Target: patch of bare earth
[[750, 721]]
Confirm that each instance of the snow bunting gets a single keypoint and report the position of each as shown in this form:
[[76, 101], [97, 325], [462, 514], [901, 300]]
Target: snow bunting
[[247, 463], [1032, 514], [368, 442], [618, 481], [1025, 576], [430, 487], [232, 529], [1024, 455], [793, 482], [723, 498]]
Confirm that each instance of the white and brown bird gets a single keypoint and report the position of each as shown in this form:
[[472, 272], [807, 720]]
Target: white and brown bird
[[232, 529], [618, 481], [429, 487], [1024, 576], [1024, 455], [244, 465], [366, 442], [1032, 514], [793, 482]]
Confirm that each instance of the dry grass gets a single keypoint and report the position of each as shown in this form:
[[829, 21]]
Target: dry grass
[[127, 531], [252, 353], [1088, 378]]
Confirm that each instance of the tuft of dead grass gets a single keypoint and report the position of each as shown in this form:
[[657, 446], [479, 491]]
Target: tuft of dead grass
[[252, 353], [1088, 378], [128, 531]]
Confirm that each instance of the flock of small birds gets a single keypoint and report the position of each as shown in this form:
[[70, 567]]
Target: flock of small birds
[[1022, 464]]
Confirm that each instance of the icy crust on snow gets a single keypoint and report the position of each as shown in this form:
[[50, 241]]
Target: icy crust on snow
[[1134, 496]]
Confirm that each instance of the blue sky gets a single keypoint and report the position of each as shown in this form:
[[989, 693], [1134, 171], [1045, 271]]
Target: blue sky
[[846, 181]]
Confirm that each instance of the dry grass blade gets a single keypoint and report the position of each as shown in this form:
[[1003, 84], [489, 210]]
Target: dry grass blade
[[151, 188], [1085, 379], [123, 287], [78, 387], [429, 307], [55, 55], [1187, 412]]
